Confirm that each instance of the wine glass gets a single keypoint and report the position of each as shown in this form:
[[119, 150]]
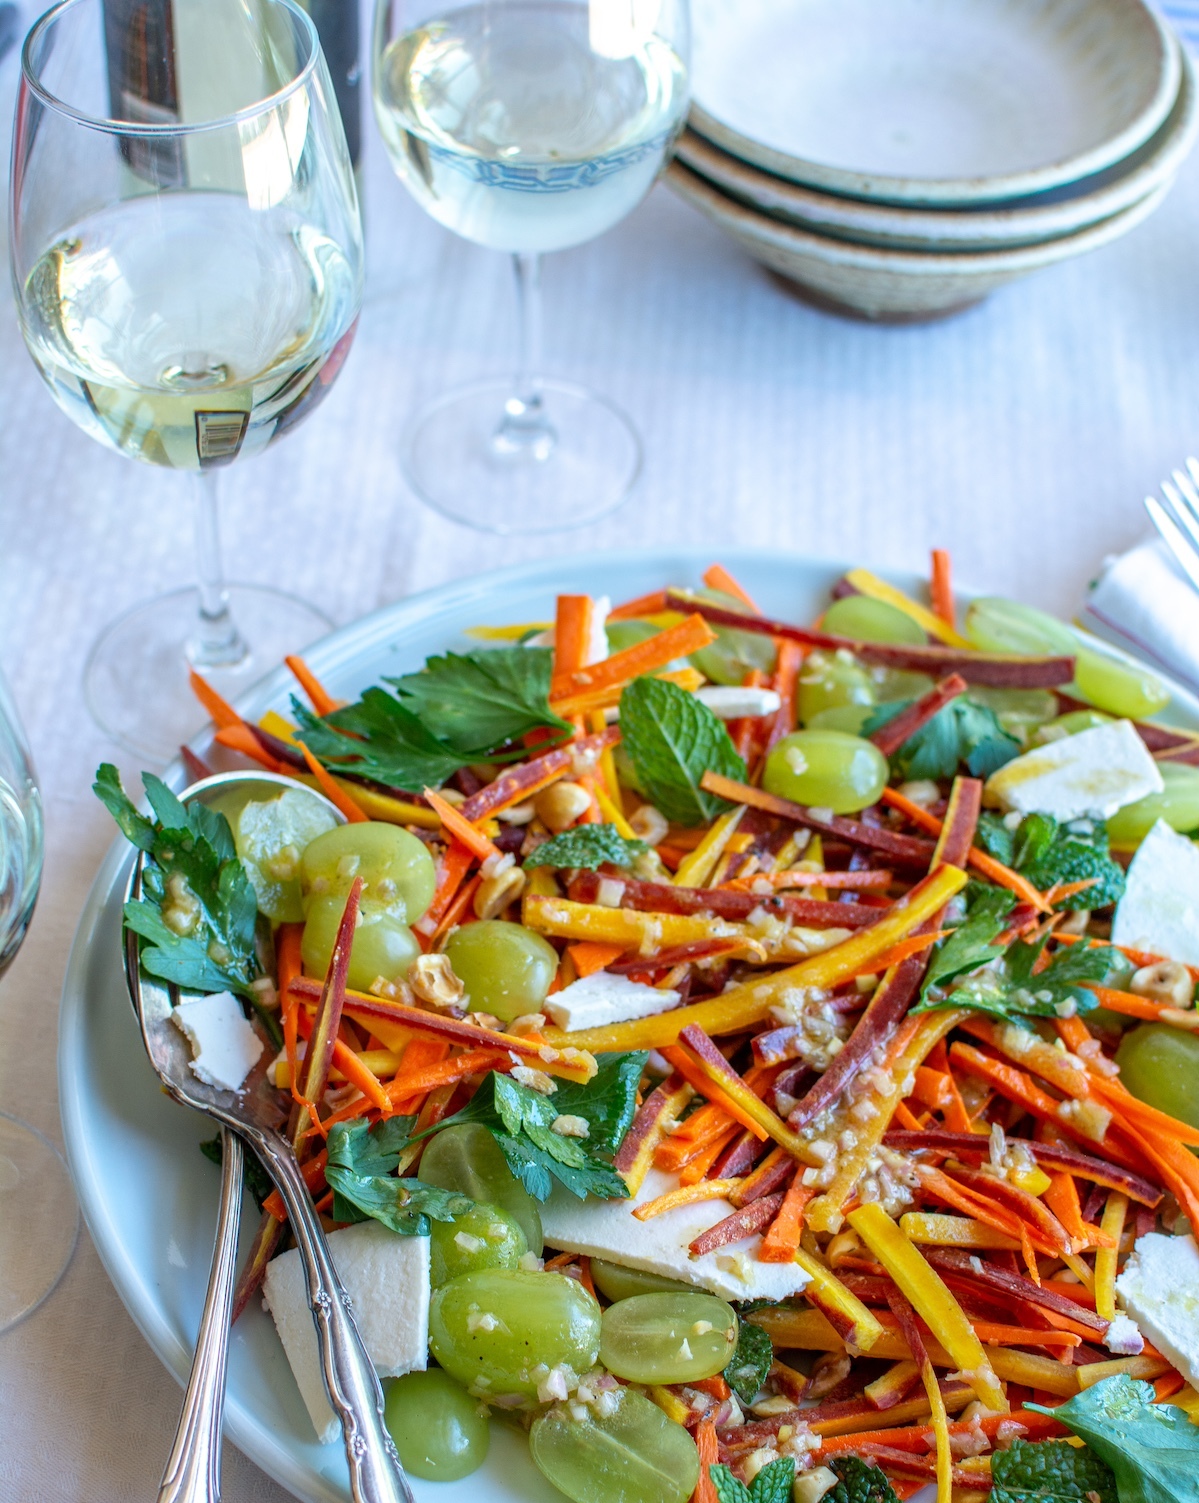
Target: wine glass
[[39, 1217], [186, 251], [527, 126]]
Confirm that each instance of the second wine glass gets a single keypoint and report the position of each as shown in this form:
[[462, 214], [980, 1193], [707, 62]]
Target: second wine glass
[[528, 126]]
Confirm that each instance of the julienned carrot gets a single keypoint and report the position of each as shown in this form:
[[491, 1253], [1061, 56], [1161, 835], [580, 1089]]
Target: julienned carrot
[[471, 1062], [220, 710], [717, 577], [652, 604], [1127, 1003], [241, 738], [326, 1024], [781, 1241], [572, 632], [420, 1055], [451, 869], [697, 1168], [941, 1187], [686, 1195], [314, 1177], [694, 1074], [786, 684], [351, 1067], [705, 1444], [456, 911], [915, 1437], [992, 1334], [321, 700], [1147, 1118], [519, 783], [334, 791], [590, 957], [680, 641], [461, 829], [891, 736], [940, 588]]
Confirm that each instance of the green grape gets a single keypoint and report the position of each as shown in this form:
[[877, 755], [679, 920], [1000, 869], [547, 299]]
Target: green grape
[[1177, 804], [635, 1455], [865, 620], [437, 1427], [1070, 725], [1160, 1066], [1019, 711], [734, 653], [668, 1338], [484, 1237], [891, 684], [827, 769], [506, 969], [830, 680], [468, 1159], [847, 718], [383, 945], [503, 1329], [616, 1282], [1109, 683], [397, 870], [622, 634], [270, 835]]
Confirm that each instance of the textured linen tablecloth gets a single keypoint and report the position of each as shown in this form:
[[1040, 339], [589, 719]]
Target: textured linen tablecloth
[[1021, 435]]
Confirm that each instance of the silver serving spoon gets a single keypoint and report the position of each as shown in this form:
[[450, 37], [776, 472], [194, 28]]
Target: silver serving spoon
[[193, 1470]]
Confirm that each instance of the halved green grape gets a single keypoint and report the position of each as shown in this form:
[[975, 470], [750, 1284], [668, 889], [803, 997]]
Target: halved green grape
[[634, 1455], [1177, 804], [828, 681], [734, 653], [1070, 725], [1018, 711], [270, 835], [467, 1158], [866, 620], [847, 718], [827, 769], [397, 870], [484, 1237], [437, 1427], [503, 1329], [622, 634], [668, 1338], [1160, 1066], [615, 1282], [1109, 683], [383, 944], [891, 684], [507, 970]]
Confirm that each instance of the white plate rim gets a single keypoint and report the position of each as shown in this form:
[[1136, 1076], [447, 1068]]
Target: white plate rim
[[333, 654]]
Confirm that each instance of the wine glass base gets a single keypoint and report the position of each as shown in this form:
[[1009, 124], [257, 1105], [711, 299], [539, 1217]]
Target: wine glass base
[[460, 459], [39, 1219], [135, 680]]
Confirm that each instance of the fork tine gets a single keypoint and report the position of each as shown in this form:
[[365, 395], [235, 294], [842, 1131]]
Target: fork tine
[[1176, 540], [1181, 514], [1193, 469], [1188, 493]]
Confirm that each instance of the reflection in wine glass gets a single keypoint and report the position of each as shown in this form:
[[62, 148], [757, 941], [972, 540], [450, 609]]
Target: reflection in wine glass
[[39, 1218], [186, 252], [527, 126]]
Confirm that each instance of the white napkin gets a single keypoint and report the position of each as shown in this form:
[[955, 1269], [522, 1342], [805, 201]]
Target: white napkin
[[1144, 602]]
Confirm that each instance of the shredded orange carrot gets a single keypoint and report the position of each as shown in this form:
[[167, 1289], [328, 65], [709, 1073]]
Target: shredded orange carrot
[[1127, 1003], [240, 738], [652, 604], [994, 870], [697, 1167], [705, 1444], [1167, 1386], [992, 1334], [941, 587], [786, 684], [906, 1118], [686, 1195], [322, 701], [456, 911], [313, 1170], [471, 1062], [461, 829], [680, 641], [716, 1387], [334, 791], [782, 1238], [717, 577], [585, 1278], [451, 869], [590, 957], [220, 710], [694, 1076], [420, 1055]]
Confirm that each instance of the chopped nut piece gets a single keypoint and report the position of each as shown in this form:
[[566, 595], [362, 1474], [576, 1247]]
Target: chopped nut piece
[[561, 804], [571, 1127], [432, 979]]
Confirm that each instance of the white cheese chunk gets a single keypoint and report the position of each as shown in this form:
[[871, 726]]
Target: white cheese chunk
[[732, 703], [1094, 773], [597, 647], [603, 998], [608, 1229], [1159, 1288], [387, 1278], [224, 1046], [1159, 911]]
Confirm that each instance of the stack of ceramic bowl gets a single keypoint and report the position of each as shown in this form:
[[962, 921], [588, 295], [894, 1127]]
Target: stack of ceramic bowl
[[900, 159]]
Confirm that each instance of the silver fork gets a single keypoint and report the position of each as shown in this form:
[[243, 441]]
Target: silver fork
[[1176, 517]]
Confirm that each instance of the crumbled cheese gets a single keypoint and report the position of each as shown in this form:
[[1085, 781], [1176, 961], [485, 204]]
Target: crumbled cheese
[[1095, 773], [733, 703], [1159, 1289], [1123, 1338], [603, 998], [1159, 911], [224, 1046]]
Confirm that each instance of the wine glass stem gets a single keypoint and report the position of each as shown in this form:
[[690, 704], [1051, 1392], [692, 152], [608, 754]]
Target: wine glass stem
[[217, 643], [525, 433]]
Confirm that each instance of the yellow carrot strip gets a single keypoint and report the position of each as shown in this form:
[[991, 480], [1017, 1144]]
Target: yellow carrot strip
[[628, 927], [335, 792], [933, 1230], [274, 725], [673, 1407], [378, 806], [460, 829], [877, 589], [1105, 1257], [1146, 1368], [827, 1291], [750, 1003], [897, 1379], [512, 633], [940, 1419], [751, 1107], [608, 807], [680, 641], [695, 869], [686, 1195], [923, 1286]]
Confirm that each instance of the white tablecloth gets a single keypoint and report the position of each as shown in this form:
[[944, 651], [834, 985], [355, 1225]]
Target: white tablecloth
[[1021, 435]]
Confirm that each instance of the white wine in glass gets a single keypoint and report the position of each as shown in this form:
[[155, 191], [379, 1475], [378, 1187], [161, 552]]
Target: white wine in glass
[[187, 257], [528, 126]]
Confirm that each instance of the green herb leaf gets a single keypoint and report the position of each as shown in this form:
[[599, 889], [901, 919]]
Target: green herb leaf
[[588, 847], [995, 837], [672, 739], [773, 1482], [1047, 853], [750, 1363], [859, 1482], [1051, 1471], [1153, 1449], [970, 945], [963, 731], [378, 738], [608, 1101], [728, 1488], [360, 1172], [477, 701], [192, 860]]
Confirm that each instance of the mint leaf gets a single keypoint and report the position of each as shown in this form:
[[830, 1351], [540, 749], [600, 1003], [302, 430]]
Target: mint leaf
[[964, 731], [588, 847], [773, 1482], [1153, 1449], [478, 701], [995, 838], [859, 1482], [1047, 853], [360, 1172], [672, 739], [970, 945], [750, 1363], [1050, 1471], [728, 1488]]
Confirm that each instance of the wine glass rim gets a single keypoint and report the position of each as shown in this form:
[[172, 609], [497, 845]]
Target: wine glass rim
[[165, 128]]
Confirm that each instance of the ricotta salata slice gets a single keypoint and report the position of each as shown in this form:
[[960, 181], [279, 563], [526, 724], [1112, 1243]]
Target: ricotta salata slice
[[1093, 773], [224, 1046], [1159, 1288], [1159, 911], [603, 998]]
